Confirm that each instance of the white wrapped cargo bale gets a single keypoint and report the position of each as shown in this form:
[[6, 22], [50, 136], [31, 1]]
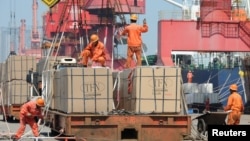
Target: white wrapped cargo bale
[[195, 98], [152, 89], [49, 87], [190, 88], [206, 88], [213, 98]]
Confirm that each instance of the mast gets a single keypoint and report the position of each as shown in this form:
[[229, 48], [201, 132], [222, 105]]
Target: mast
[[35, 40], [21, 49], [12, 29]]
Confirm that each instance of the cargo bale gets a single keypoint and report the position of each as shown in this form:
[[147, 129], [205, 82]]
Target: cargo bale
[[86, 90], [49, 87], [49, 62], [19, 66], [154, 89], [18, 91], [190, 88]]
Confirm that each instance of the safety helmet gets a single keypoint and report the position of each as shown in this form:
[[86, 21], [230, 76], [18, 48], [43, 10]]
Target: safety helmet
[[234, 87], [40, 102], [94, 38], [133, 17]]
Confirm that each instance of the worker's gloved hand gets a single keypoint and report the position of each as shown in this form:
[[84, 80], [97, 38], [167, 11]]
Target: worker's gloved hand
[[79, 58], [144, 21], [28, 114]]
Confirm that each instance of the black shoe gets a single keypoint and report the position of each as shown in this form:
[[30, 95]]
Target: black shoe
[[14, 138]]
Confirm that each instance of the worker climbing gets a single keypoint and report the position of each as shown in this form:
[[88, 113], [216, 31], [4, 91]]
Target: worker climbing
[[235, 104], [190, 76], [95, 50], [134, 41], [29, 111]]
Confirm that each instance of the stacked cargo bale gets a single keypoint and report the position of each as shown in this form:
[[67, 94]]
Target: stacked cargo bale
[[47, 63], [49, 85], [15, 88], [83, 90], [190, 88], [151, 90]]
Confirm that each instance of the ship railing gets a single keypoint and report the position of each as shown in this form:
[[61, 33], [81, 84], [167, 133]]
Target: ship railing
[[244, 33], [174, 15]]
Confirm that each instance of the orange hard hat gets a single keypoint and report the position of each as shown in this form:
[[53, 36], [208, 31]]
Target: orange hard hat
[[234, 87], [133, 17], [94, 38], [40, 102]]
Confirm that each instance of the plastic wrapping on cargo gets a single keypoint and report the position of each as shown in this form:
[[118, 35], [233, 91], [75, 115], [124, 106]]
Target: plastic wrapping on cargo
[[206, 88], [195, 98], [190, 88], [213, 98]]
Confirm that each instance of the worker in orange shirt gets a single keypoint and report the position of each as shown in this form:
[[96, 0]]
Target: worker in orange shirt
[[235, 104], [95, 50], [28, 112], [134, 41], [190, 76]]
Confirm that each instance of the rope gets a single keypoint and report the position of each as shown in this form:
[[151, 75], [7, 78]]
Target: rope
[[4, 112]]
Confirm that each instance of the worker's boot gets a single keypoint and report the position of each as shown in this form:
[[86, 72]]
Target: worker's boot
[[14, 138]]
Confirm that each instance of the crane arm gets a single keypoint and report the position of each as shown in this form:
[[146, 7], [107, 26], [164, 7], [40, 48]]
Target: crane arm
[[176, 4]]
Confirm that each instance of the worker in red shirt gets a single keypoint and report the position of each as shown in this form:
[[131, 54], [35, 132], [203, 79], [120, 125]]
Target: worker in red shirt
[[134, 41], [235, 104], [28, 112], [95, 50], [190, 76]]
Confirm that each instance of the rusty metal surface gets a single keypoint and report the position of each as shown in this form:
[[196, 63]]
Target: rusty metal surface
[[122, 127]]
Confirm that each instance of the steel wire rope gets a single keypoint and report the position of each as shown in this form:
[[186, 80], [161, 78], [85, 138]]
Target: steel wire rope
[[228, 84], [117, 84], [76, 24], [58, 29], [225, 96], [85, 23], [52, 46], [4, 112]]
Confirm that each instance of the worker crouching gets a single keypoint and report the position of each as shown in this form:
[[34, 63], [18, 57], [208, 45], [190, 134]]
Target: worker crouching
[[95, 50], [235, 104], [28, 112]]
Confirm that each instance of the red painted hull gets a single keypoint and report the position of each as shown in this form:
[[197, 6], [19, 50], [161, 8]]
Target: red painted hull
[[189, 36]]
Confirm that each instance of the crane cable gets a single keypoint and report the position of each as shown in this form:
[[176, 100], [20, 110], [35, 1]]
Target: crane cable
[[80, 24], [85, 21], [61, 25]]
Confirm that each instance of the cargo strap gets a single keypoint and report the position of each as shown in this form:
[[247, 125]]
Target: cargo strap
[[130, 81]]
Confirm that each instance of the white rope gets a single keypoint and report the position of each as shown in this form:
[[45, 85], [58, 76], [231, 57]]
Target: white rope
[[144, 55], [4, 112], [117, 84]]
